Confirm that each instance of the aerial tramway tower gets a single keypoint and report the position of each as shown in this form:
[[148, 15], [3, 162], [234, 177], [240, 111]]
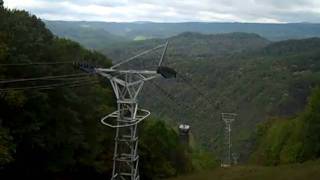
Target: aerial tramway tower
[[127, 84], [228, 118]]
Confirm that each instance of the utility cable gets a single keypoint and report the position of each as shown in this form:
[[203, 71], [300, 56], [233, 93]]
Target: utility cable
[[43, 78], [204, 96], [37, 63], [174, 100], [138, 55], [38, 87]]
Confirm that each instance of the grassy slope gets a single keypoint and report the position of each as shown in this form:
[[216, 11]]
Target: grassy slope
[[309, 170]]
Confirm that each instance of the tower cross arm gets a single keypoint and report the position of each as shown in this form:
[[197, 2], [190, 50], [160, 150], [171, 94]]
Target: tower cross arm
[[108, 70]]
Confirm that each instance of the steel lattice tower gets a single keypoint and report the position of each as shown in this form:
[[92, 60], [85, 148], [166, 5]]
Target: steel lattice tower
[[127, 84], [228, 118], [128, 115]]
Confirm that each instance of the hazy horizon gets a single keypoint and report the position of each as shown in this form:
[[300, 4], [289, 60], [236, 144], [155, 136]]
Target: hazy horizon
[[181, 22]]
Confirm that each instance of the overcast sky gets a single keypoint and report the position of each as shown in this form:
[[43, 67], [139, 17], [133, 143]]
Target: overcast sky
[[263, 11]]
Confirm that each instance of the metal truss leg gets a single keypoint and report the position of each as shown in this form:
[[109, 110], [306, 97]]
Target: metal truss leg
[[126, 159]]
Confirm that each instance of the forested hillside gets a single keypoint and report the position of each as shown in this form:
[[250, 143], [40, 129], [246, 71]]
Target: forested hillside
[[191, 46], [49, 127], [287, 148], [237, 72], [291, 140], [89, 36]]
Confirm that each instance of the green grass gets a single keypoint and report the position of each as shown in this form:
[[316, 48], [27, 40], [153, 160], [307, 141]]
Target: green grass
[[309, 171], [140, 38]]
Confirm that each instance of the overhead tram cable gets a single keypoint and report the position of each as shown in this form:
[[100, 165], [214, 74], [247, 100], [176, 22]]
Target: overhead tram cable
[[186, 106], [179, 104], [180, 108], [36, 64], [203, 95], [188, 81], [141, 54], [43, 78], [51, 86], [66, 80], [170, 97]]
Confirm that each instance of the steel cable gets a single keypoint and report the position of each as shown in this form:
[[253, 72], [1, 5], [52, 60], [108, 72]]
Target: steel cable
[[37, 63], [43, 78]]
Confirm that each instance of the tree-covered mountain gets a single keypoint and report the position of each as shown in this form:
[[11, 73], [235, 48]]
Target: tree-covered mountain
[[237, 72], [89, 36], [148, 30], [54, 132], [195, 46]]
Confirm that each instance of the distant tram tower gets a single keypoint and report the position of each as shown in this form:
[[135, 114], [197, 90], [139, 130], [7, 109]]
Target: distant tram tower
[[228, 118], [184, 133]]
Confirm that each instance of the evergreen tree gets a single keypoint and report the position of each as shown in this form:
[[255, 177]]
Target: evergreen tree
[[312, 121]]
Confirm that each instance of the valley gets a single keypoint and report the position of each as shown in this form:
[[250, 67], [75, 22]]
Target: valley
[[236, 72], [61, 81], [241, 73]]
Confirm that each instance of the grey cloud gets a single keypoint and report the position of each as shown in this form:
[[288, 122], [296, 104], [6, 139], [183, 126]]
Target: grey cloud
[[180, 10], [109, 3]]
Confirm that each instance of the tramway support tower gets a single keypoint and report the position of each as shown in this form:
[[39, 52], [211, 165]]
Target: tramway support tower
[[228, 118], [127, 84]]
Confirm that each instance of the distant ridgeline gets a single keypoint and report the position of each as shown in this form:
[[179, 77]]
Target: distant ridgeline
[[104, 34], [56, 133]]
